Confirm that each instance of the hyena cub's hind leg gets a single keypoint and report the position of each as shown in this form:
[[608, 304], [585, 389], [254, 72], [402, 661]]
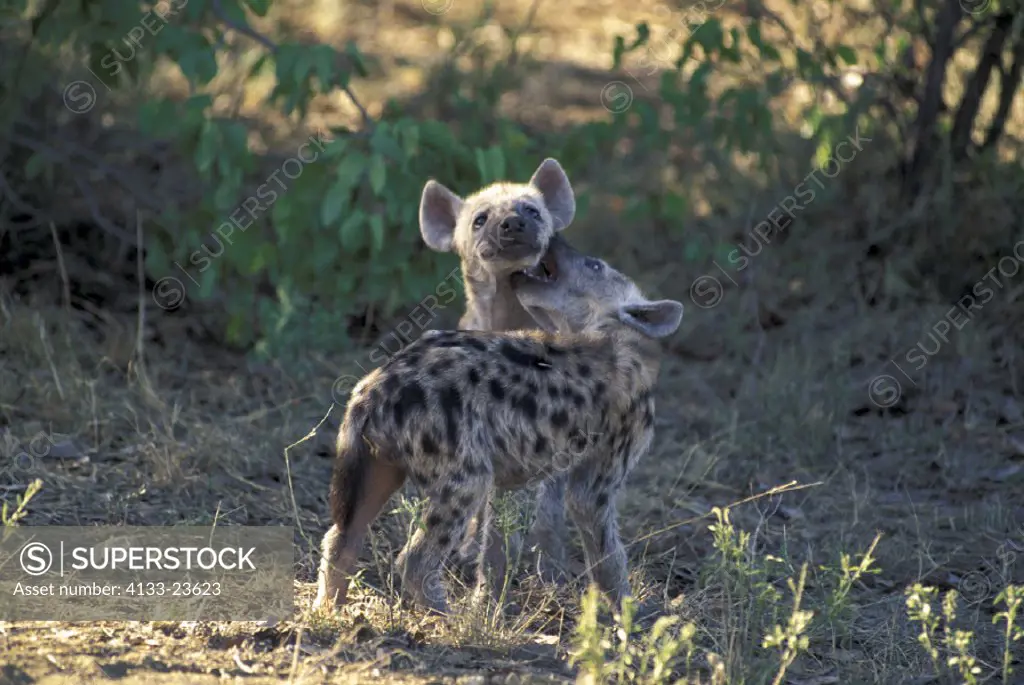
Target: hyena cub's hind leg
[[360, 487], [450, 504]]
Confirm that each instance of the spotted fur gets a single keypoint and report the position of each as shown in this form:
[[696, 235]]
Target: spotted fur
[[591, 373]]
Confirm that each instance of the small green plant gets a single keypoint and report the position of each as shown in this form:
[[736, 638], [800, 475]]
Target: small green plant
[[620, 653], [412, 509], [11, 518], [1012, 597], [750, 601], [791, 639], [837, 602], [957, 644], [920, 610]]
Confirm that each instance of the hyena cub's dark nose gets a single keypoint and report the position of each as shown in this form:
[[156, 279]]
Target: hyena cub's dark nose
[[513, 227]]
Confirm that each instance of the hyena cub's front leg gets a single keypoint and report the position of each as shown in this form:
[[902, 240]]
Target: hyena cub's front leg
[[548, 534], [593, 512]]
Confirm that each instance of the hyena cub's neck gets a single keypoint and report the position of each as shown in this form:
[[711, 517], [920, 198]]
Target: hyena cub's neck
[[631, 359], [490, 303]]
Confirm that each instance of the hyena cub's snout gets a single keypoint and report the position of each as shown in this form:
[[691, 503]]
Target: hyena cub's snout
[[518, 235]]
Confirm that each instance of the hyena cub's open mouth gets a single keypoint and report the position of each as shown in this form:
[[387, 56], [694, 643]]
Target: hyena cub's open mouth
[[544, 271]]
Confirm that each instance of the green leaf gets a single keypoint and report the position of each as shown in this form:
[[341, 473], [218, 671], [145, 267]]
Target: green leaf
[[617, 52], [225, 199], [209, 146], [334, 202], [674, 206], [349, 231], [383, 142], [358, 62], [377, 232], [158, 118], [335, 147], [496, 162], [259, 7], [824, 151], [324, 58], [207, 281], [197, 59], [378, 174], [847, 54], [35, 165], [350, 170], [754, 34], [105, 64], [643, 34], [194, 9], [157, 260], [325, 256], [481, 165]]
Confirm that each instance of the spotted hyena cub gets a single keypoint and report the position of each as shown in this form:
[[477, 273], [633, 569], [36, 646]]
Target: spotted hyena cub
[[461, 413], [497, 232]]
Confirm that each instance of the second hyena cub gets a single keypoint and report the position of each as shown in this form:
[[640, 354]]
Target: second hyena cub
[[461, 413], [497, 231]]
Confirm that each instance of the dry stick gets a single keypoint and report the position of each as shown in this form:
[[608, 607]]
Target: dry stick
[[756, 360], [791, 486], [60, 265], [67, 149], [140, 274], [270, 45], [49, 357], [295, 655], [531, 13], [288, 467]]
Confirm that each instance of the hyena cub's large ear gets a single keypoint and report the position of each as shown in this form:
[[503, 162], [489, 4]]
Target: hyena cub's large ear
[[439, 209], [653, 319], [551, 181]]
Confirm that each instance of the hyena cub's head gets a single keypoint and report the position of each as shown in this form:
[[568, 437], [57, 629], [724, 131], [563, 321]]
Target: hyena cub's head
[[569, 292], [502, 228]]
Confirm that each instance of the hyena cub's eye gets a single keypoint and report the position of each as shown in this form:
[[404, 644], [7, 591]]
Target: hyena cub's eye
[[480, 219], [532, 212], [593, 264]]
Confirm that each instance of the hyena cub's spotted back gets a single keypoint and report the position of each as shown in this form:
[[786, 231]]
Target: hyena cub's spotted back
[[462, 412], [497, 231]]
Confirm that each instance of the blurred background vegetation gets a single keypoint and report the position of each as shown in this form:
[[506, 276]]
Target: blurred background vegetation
[[128, 126]]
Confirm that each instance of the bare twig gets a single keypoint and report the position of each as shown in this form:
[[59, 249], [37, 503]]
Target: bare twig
[[101, 165], [60, 265], [972, 31], [288, 467], [97, 216], [140, 272], [923, 27], [513, 56], [49, 356], [246, 30], [977, 84], [1009, 82], [12, 196], [928, 113]]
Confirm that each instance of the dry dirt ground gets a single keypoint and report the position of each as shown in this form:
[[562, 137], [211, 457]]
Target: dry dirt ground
[[770, 386]]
